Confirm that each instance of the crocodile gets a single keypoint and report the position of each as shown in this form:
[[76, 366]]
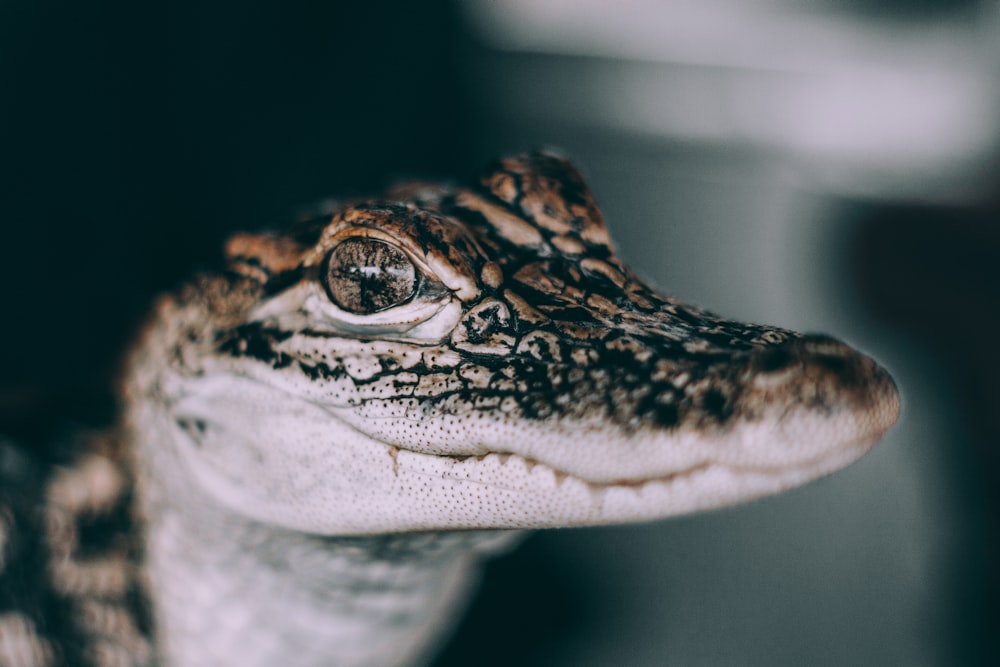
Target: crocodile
[[323, 442]]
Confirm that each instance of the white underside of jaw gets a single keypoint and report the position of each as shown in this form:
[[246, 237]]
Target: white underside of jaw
[[537, 495], [280, 459], [277, 456]]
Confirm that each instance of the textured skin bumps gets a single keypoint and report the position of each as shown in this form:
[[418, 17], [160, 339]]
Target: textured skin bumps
[[525, 356], [308, 470]]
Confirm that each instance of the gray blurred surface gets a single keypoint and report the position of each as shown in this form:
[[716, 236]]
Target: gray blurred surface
[[819, 165], [761, 222]]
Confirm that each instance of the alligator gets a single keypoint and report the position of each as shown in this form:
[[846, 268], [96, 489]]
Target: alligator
[[321, 443]]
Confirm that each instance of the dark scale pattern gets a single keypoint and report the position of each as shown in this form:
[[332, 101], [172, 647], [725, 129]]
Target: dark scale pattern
[[568, 331], [257, 342]]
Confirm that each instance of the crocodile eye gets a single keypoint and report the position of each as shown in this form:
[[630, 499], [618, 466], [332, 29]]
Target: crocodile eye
[[365, 276]]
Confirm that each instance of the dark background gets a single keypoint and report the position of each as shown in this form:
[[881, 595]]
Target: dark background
[[135, 137]]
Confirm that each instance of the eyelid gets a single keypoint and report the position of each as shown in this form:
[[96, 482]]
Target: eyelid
[[450, 263], [412, 252], [306, 307], [428, 283], [430, 297], [428, 316]]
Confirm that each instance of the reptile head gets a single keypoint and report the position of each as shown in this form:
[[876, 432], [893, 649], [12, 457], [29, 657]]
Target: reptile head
[[478, 357]]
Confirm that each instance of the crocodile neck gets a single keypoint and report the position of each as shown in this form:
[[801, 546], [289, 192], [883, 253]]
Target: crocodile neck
[[231, 590]]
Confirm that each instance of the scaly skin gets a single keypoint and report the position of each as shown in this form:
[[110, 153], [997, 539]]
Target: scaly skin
[[311, 428]]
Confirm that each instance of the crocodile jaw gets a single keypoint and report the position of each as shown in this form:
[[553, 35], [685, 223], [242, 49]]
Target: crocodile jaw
[[281, 459]]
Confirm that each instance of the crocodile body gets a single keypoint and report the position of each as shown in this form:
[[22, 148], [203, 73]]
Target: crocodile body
[[322, 442]]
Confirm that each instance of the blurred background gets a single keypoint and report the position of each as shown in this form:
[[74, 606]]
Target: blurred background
[[820, 165]]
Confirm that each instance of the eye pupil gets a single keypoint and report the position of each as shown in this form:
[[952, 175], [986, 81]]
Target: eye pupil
[[364, 276]]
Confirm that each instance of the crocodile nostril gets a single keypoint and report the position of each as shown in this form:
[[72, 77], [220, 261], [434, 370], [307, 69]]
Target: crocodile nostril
[[837, 365], [772, 359], [824, 346], [832, 356], [775, 365]]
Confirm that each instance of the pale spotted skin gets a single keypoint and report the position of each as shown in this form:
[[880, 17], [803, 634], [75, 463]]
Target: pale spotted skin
[[511, 373]]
